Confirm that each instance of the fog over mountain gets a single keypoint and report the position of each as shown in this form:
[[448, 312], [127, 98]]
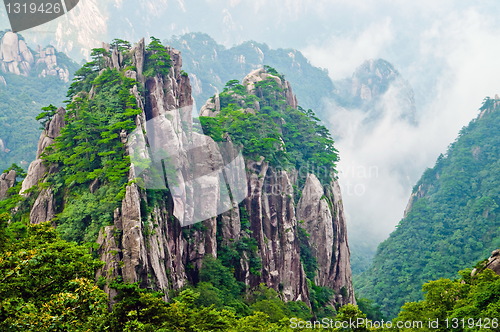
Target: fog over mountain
[[446, 50]]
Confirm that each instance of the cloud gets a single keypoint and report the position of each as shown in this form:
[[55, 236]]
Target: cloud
[[453, 67], [341, 54]]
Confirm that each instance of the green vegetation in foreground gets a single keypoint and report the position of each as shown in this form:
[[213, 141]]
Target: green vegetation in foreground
[[48, 285], [453, 223], [47, 279]]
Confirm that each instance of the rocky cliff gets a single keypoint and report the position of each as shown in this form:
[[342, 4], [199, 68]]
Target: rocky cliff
[[492, 263], [7, 181], [451, 220], [146, 241], [17, 58]]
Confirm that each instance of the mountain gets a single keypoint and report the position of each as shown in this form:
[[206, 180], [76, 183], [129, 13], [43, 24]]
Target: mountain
[[17, 58], [29, 80], [125, 165], [376, 93], [451, 221], [210, 65]]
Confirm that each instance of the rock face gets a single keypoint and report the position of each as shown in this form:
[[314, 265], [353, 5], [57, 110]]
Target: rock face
[[47, 62], [43, 208], [17, 58], [494, 262], [37, 169], [321, 211], [7, 181], [150, 246]]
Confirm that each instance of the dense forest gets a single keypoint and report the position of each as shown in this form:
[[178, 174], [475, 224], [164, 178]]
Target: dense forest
[[452, 222], [20, 102], [48, 285]]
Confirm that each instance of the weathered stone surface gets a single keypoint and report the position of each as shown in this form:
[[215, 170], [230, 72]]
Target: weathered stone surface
[[44, 207], [494, 262], [147, 244], [340, 270], [52, 130], [36, 172], [37, 169], [7, 181], [313, 209], [138, 58], [17, 58], [211, 107], [133, 242], [273, 224], [47, 59], [324, 221], [110, 253]]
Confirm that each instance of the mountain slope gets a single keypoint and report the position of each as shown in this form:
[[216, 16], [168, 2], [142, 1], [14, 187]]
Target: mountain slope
[[452, 219]]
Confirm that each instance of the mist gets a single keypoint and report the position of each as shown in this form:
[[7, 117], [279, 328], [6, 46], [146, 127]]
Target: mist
[[453, 66], [447, 50]]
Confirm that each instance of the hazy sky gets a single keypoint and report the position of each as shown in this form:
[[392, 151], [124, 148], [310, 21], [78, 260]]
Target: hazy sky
[[447, 50]]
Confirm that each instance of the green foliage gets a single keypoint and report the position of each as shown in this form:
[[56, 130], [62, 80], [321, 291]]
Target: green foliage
[[81, 307], [284, 136], [320, 298], [89, 150], [157, 59], [46, 282], [121, 45], [13, 199], [136, 307], [351, 313], [19, 171], [306, 255], [20, 102], [47, 114], [220, 277], [85, 213], [99, 56], [467, 304], [370, 309], [453, 222], [267, 300]]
